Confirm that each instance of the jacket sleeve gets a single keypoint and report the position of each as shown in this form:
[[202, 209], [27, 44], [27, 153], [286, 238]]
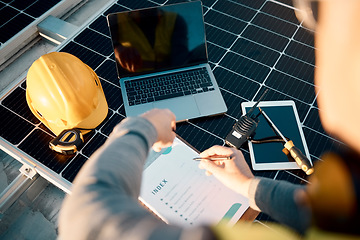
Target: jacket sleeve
[[277, 199], [104, 199]]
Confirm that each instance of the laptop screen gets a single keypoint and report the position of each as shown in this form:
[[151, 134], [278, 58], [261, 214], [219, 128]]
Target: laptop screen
[[158, 39]]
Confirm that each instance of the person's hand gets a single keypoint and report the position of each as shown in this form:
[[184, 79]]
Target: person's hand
[[234, 173], [165, 125]]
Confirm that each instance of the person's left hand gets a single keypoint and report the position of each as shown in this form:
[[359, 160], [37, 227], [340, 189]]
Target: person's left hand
[[165, 125]]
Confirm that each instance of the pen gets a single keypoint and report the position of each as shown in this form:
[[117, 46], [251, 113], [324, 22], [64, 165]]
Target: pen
[[213, 158]]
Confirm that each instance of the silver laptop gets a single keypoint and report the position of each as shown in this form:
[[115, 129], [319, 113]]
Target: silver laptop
[[161, 61]]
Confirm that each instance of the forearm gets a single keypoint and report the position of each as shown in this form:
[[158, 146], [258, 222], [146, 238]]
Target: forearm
[[104, 200], [108, 185], [277, 199]]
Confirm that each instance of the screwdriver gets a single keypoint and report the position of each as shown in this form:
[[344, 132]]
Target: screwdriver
[[302, 161]]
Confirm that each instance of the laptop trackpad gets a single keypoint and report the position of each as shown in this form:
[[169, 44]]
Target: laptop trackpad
[[138, 109], [183, 107]]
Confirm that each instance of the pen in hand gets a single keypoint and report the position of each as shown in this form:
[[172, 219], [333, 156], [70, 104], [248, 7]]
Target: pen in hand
[[213, 158]]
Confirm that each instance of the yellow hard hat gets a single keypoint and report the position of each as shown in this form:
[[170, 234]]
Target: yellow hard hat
[[65, 93]]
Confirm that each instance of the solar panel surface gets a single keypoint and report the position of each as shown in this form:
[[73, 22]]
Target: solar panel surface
[[18, 14], [252, 46]]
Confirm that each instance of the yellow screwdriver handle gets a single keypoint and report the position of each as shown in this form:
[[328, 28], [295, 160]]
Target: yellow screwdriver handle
[[302, 161]]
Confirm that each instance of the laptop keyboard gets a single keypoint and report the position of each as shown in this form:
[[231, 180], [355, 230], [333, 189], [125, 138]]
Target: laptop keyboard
[[168, 86]]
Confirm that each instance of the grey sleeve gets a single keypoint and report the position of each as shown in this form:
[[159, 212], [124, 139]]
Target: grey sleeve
[[104, 199], [276, 198]]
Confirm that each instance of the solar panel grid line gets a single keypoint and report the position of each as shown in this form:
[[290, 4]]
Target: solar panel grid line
[[244, 64], [286, 46], [117, 5], [310, 45], [291, 66], [11, 134], [249, 58], [107, 36], [292, 21], [235, 10], [323, 134], [271, 68], [273, 95], [236, 94], [138, 4], [287, 13], [280, 81], [276, 174], [296, 176], [207, 131], [109, 82], [296, 45], [107, 58], [233, 112], [287, 95], [315, 122], [90, 49], [107, 71], [319, 143], [94, 133], [246, 22], [309, 116], [18, 11], [218, 125], [234, 73], [288, 176], [214, 52], [241, 37], [253, 18], [70, 172], [213, 28], [275, 33], [31, 132], [225, 21], [283, 3], [124, 6], [18, 115]]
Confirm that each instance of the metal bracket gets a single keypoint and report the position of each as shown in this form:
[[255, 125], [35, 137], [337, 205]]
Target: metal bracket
[[55, 29], [17, 187], [28, 171]]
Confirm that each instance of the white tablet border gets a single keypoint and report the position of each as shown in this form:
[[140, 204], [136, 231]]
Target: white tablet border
[[276, 165]]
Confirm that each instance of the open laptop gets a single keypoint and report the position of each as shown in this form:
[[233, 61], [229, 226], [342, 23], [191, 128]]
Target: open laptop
[[161, 60]]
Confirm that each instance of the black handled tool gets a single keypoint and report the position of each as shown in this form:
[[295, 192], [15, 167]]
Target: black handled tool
[[244, 128], [302, 161]]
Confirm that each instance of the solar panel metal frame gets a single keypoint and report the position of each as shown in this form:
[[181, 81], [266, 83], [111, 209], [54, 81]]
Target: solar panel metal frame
[[234, 53], [23, 38]]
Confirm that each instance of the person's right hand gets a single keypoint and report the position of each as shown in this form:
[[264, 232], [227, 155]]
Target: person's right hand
[[164, 122], [234, 173]]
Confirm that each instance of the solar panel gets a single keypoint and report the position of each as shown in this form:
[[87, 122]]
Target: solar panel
[[17, 14], [19, 20], [252, 46]]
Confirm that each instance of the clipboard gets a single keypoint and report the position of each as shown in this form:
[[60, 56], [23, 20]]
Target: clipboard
[[180, 193]]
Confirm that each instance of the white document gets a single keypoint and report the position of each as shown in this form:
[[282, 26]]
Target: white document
[[181, 194]]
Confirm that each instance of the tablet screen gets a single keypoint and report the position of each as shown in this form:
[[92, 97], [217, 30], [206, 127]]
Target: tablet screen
[[269, 156]]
